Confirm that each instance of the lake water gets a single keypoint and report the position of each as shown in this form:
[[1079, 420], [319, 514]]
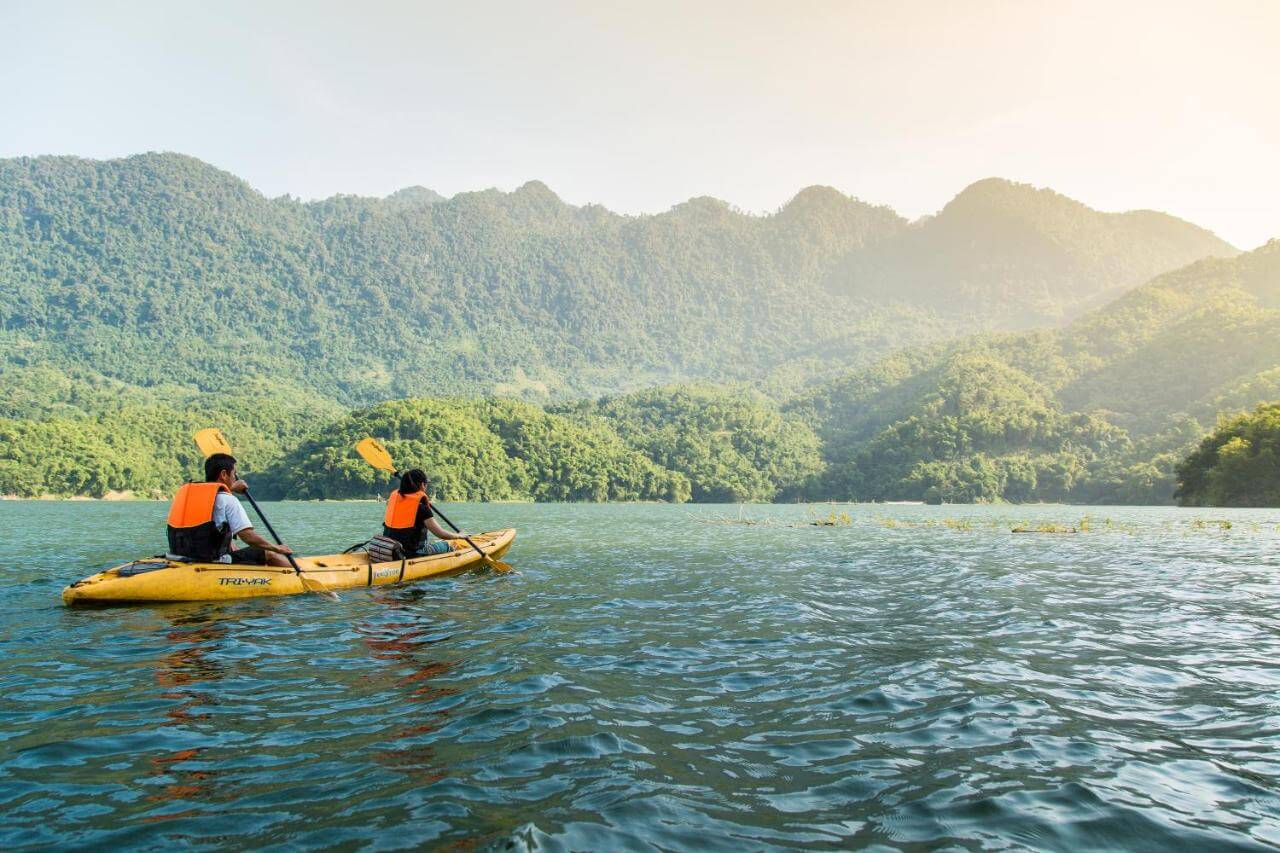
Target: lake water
[[649, 679]]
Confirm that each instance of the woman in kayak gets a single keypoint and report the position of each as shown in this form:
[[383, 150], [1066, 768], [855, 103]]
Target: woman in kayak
[[409, 518]]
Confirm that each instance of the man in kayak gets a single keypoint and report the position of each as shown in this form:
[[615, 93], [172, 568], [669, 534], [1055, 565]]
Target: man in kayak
[[205, 517], [409, 517]]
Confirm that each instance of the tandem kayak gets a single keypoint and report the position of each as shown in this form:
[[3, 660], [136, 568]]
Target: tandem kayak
[[158, 579]]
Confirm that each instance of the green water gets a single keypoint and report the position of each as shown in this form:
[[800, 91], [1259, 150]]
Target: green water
[[922, 677]]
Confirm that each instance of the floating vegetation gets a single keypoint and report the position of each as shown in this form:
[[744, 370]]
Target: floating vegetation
[[1201, 524], [949, 523], [1086, 524], [1043, 527], [832, 519]]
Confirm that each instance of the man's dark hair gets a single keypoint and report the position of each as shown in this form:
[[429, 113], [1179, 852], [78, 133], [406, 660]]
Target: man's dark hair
[[216, 464]]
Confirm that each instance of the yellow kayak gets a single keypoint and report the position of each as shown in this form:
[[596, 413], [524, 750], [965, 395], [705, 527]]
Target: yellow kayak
[[159, 579]]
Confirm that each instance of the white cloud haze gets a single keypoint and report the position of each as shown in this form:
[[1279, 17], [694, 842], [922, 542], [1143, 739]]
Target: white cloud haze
[[1120, 104]]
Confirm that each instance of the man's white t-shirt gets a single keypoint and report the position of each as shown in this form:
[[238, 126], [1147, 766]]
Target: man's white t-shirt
[[229, 511]]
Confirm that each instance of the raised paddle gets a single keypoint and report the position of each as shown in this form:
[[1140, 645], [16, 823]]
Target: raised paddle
[[372, 451], [211, 441]]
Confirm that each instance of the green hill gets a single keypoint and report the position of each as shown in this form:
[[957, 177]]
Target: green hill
[[1009, 255], [160, 268], [79, 433], [475, 450], [669, 444], [145, 297], [1237, 465], [733, 445], [1100, 410]]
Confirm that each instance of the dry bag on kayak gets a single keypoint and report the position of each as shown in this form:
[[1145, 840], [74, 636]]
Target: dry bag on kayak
[[383, 549]]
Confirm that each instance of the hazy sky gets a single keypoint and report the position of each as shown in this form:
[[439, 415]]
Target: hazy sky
[[641, 105]]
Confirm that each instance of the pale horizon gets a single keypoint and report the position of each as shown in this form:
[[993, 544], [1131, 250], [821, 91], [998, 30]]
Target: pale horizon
[[1126, 106]]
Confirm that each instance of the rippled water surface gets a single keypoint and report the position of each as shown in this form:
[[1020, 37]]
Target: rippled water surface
[[920, 677]]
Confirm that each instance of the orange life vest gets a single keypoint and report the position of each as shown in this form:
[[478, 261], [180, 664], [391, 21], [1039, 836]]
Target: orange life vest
[[400, 522], [192, 533]]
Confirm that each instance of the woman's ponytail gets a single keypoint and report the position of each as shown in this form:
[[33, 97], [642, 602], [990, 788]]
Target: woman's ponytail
[[414, 480]]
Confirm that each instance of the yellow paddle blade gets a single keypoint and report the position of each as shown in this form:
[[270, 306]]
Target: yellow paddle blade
[[375, 454], [211, 441], [313, 585], [497, 565]]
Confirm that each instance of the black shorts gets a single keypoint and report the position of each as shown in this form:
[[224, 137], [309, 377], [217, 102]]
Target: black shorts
[[249, 556]]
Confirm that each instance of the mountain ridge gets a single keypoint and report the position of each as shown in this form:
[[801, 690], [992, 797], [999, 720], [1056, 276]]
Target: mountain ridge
[[159, 267]]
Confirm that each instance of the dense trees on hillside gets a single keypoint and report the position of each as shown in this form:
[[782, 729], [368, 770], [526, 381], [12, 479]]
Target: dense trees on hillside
[[1237, 465], [673, 444], [1100, 411], [476, 450], [1008, 252], [976, 429], [733, 446], [160, 268], [142, 299], [79, 433]]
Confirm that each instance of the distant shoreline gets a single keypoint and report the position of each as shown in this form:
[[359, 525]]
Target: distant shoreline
[[130, 497], [123, 495]]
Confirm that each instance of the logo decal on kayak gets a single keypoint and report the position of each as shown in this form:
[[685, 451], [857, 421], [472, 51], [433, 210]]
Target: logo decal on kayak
[[244, 581], [386, 573]]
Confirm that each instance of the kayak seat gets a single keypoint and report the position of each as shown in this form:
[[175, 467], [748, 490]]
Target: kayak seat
[[142, 567]]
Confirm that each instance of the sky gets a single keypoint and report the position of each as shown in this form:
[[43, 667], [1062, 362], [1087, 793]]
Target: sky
[[641, 105]]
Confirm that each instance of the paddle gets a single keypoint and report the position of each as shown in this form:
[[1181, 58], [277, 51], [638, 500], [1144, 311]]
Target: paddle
[[372, 451], [211, 441]]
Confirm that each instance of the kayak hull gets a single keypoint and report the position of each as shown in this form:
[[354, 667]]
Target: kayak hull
[[159, 580]]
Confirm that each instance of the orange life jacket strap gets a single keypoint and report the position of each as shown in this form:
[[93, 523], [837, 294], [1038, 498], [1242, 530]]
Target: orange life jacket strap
[[193, 505], [402, 510]]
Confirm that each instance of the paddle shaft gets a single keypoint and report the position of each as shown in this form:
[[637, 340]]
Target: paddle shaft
[[270, 529], [437, 511]]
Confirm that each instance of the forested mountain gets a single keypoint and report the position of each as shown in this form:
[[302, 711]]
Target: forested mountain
[[161, 268], [143, 298], [1101, 410], [1015, 256]]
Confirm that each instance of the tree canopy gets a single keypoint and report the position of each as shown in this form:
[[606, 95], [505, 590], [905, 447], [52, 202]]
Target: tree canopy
[[521, 348], [1238, 464], [160, 268]]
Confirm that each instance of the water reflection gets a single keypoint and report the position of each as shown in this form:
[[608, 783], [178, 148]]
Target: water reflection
[[186, 784], [197, 637], [401, 636]]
